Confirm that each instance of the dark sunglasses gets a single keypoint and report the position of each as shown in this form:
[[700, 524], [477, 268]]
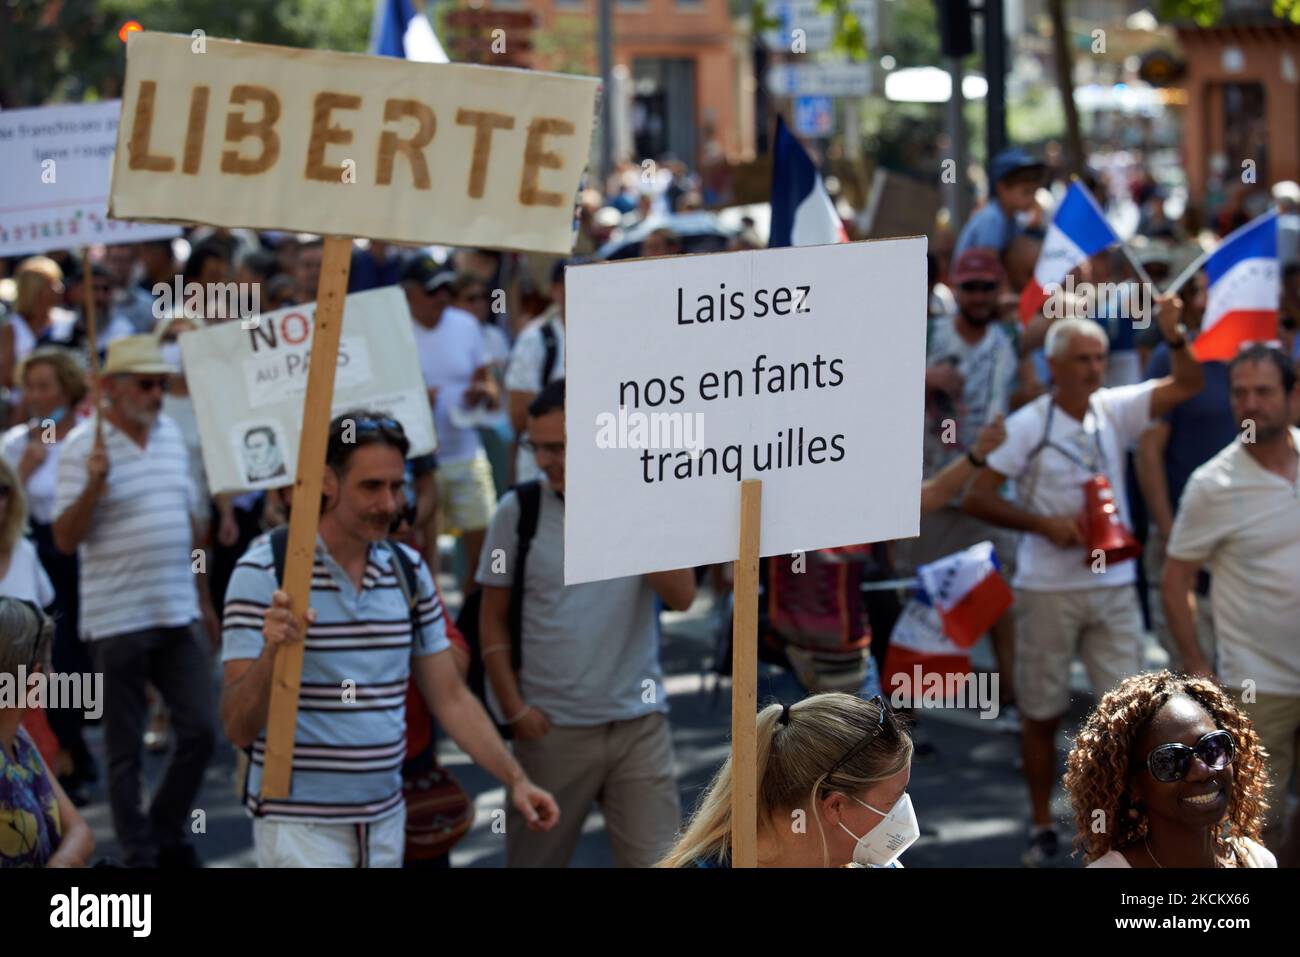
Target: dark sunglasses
[[149, 383], [978, 286], [872, 733], [1170, 762]]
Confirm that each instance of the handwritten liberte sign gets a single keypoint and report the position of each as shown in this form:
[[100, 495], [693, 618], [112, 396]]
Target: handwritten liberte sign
[[242, 134]]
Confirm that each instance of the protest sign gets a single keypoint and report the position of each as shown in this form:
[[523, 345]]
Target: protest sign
[[54, 172], [248, 385], [800, 367], [241, 134]]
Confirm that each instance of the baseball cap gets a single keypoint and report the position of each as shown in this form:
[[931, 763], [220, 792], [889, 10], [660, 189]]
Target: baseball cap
[[427, 273], [1011, 161], [977, 264]]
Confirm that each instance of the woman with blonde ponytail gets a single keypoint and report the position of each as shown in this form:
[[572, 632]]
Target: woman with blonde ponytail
[[832, 781]]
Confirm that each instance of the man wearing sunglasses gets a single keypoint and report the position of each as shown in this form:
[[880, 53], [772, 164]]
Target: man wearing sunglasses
[[1240, 518], [127, 505], [971, 381]]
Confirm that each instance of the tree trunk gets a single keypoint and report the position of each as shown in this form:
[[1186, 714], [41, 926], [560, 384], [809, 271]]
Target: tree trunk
[[1065, 84]]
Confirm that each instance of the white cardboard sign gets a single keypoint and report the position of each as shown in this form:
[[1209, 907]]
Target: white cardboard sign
[[248, 385], [55, 163], [801, 367]]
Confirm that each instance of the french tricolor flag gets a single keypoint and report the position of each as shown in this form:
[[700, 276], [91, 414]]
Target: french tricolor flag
[[1244, 289], [802, 211], [1078, 230], [967, 591], [918, 648], [398, 30]]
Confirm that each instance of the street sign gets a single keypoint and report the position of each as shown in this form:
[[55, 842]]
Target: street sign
[[845, 78], [818, 28], [813, 116]]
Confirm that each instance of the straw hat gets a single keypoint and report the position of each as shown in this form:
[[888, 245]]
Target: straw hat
[[135, 355]]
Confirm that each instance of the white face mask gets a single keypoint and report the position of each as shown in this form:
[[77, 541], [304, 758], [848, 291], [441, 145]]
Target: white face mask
[[883, 844]]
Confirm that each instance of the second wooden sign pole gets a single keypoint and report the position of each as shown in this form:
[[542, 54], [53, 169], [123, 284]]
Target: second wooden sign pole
[[744, 682]]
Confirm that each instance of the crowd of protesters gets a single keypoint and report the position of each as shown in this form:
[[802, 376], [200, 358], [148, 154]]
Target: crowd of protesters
[[105, 510]]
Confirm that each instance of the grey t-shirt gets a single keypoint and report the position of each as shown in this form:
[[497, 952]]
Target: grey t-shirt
[[590, 651]]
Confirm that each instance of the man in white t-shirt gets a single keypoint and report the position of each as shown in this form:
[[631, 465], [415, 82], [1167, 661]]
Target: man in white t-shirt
[[536, 360], [1068, 600], [1239, 517], [453, 357]]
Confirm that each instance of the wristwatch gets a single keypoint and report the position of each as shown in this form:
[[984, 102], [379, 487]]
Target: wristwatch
[[975, 460], [1181, 340]]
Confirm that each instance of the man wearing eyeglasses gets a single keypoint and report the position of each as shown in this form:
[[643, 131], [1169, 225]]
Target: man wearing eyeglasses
[[126, 503], [587, 704], [1240, 518]]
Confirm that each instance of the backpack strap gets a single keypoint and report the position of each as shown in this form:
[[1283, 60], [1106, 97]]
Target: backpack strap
[[529, 495], [552, 344], [409, 582], [279, 548]]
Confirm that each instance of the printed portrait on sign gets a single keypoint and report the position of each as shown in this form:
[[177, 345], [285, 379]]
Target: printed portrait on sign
[[261, 452]]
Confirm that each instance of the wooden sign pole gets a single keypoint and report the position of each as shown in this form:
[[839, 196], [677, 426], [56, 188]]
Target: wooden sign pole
[[282, 718], [92, 339], [744, 683]]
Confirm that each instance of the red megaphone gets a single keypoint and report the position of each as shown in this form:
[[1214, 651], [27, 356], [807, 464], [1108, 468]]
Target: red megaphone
[[1102, 529]]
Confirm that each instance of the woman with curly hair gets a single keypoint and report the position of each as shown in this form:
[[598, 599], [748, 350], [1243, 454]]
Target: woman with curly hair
[[1168, 772]]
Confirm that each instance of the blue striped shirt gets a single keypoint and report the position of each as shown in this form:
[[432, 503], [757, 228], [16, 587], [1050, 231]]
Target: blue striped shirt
[[351, 734]]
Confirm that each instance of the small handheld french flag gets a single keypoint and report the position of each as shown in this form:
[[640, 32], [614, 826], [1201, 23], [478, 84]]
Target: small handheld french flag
[[1078, 230], [802, 211], [967, 591], [398, 30], [1244, 290]]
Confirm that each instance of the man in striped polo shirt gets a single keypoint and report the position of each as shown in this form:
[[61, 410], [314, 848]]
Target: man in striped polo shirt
[[345, 807], [126, 505]]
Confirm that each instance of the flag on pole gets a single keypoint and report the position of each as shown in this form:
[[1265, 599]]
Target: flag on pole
[[802, 211], [1244, 290], [398, 30], [967, 591], [1078, 230]]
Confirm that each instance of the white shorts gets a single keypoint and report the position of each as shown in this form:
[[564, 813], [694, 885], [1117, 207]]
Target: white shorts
[[309, 844]]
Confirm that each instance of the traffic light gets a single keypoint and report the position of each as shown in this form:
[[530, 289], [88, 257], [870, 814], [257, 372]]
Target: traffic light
[[954, 28]]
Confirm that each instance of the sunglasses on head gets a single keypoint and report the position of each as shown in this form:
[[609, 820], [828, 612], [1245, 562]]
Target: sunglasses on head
[[977, 286], [872, 733], [1170, 762], [373, 425]]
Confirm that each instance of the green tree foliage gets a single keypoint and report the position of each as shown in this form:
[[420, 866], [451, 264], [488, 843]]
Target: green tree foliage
[[1206, 13], [67, 50]]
